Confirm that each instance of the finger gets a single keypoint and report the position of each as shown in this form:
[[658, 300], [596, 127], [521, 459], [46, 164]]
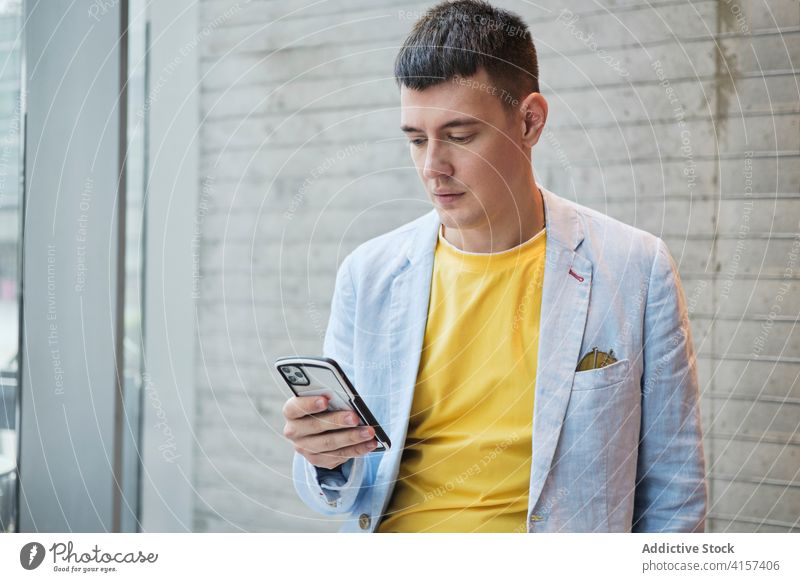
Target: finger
[[319, 423], [300, 406], [333, 459], [335, 439]]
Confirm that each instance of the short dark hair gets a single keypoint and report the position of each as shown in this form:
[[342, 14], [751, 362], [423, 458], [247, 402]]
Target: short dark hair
[[455, 39]]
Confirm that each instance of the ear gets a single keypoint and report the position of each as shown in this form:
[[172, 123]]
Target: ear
[[534, 115]]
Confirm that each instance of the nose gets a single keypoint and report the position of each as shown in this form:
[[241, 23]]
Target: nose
[[436, 162]]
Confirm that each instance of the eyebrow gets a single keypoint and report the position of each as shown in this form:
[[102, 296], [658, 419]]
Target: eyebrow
[[460, 122]]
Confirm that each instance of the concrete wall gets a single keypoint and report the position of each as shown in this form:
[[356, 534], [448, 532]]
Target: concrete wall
[[678, 117]]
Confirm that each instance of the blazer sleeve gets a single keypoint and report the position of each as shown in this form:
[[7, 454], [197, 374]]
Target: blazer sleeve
[[670, 479], [334, 491]]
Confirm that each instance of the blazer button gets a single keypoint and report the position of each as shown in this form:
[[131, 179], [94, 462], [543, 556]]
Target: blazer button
[[363, 521]]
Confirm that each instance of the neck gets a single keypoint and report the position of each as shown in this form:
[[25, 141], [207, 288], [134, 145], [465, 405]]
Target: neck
[[510, 231]]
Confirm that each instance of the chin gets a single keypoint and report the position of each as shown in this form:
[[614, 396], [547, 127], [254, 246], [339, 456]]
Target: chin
[[456, 218]]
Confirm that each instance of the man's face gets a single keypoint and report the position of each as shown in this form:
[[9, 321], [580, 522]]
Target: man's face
[[462, 140]]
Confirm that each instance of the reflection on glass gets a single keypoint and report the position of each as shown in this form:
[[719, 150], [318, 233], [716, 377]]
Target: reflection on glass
[[10, 235], [134, 247]]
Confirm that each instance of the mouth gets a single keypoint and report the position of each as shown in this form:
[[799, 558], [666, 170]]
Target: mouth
[[447, 195]]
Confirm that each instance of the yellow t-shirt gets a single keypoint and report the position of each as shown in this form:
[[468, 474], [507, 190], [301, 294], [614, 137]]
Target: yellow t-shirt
[[467, 457]]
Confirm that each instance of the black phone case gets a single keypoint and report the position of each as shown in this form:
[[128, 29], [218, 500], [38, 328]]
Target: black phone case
[[358, 404]]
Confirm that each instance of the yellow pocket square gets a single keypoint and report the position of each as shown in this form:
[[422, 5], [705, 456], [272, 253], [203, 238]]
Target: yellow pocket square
[[595, 359]]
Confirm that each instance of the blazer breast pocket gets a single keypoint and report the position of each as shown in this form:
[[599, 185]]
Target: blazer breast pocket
[[602, 377]]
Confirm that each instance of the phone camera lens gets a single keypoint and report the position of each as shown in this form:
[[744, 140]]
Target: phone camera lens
[[294, 375]]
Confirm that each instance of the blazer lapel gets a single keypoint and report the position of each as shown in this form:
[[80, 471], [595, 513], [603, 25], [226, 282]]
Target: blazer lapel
[[408, 316], [565, 300]]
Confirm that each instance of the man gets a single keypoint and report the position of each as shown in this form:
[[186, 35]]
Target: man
[[530, 358]]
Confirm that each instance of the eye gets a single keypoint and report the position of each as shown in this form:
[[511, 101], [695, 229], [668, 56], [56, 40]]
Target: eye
[[460, 139], [417, 142]]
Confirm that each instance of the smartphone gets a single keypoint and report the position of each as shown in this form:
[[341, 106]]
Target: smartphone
[[317, 376]]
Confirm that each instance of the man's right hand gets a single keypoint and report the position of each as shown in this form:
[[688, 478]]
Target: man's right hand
[[325, 439]]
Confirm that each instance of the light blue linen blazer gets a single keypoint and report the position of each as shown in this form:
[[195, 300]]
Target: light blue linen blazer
[[614, 449]]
